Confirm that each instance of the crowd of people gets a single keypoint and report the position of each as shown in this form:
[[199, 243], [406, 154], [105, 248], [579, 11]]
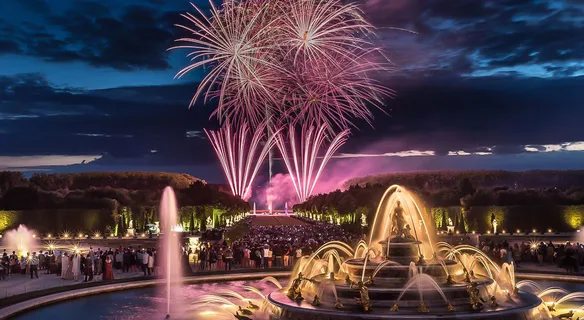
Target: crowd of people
[[565, 255], [261, 246], [272, 246], [72, 265]]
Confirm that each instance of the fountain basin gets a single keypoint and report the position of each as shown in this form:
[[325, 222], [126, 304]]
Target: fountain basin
[[282, 308]]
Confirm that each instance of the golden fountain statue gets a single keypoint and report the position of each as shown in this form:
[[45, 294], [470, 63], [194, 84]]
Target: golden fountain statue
[[294, 292], [252, 306], [316, 301], [364, 300], [422, 308], [493, 302], [475, 296], [398, 220]]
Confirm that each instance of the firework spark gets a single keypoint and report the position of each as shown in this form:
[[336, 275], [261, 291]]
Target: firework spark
[[241, 154], [296, 64], [306, 60], [300, 152]]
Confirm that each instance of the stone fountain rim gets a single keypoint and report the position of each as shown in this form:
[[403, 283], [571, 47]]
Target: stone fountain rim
[[55, 298], [342, 314]]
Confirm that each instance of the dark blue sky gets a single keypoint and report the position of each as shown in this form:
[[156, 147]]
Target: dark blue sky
[[498, 80]]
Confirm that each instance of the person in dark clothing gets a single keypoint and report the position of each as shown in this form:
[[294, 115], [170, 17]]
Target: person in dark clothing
[[86, 265], [127, 257]]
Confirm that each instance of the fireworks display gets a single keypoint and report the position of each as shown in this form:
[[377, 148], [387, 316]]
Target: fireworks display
[[284, 64], [241, 154], [303, 157]]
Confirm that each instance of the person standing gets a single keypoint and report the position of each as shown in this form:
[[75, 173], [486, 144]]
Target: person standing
[[34, 265], [150, 263], [109, 270], [287, 257], [76, 266], [228, 259], [246, 257], [266, 256], [298, 255], [145, 258], [86, 262], [64, 264]]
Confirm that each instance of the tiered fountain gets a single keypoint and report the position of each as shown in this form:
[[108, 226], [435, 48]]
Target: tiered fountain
[[400, 273]]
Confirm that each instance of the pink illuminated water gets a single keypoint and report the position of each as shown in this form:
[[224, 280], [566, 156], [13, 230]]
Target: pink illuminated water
[[20, 240], [170, 245]]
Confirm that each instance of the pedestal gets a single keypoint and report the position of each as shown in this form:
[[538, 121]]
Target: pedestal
[[131, 232]]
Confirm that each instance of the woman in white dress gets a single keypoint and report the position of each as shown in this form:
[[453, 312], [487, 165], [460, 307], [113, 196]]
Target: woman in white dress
[[76, 267], [64, 264], [69, 270]]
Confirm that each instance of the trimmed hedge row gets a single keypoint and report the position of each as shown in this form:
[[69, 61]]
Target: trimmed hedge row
[[46, 221], [511, 218]]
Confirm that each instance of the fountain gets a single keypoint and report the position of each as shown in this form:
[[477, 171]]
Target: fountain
[[402, 273], [21, 239], [170, 246]]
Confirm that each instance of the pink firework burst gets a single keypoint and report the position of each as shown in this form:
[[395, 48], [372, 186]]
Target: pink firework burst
[[235, 46], [310, 60], [241, 153], [306, 151]]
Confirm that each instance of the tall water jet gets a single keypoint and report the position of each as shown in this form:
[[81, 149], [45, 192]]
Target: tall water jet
[[20, 239], [170, 245]]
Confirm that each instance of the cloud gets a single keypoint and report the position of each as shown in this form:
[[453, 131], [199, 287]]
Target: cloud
[[37, 118], [36, 6], [475, 37], [476, 117], [7, 46], [134, 39]]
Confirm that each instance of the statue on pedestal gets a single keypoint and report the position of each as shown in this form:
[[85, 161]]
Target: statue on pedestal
[[130, 230], [363, 220], [398, 220], [209, 223]]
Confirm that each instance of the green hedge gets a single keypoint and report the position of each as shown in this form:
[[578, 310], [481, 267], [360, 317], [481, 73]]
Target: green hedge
[[511, 218], [44, 221]]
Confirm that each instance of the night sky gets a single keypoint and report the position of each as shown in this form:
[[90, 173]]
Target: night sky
[[480, 85]]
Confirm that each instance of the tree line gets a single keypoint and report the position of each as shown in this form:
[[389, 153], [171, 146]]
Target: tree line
[[470, 206], [110, 199], [483, 179]]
